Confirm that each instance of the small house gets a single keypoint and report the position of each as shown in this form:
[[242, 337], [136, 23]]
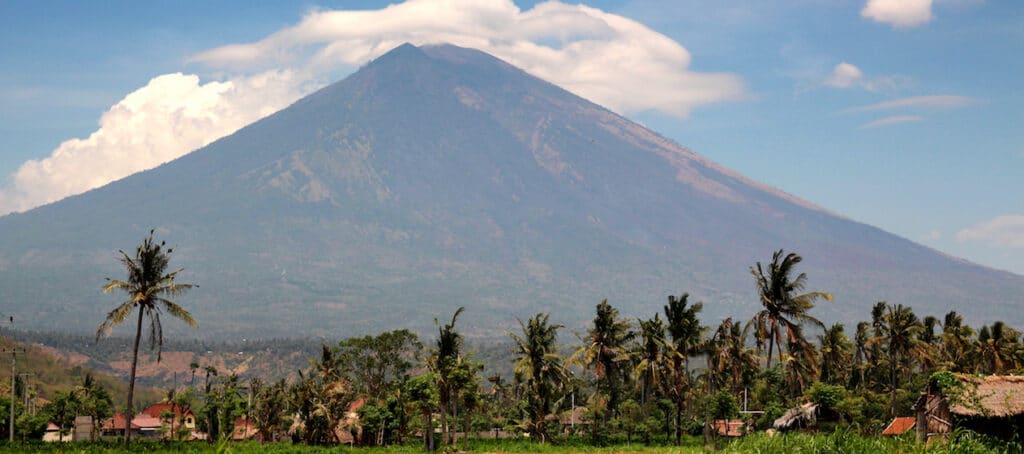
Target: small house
[[992, 405]]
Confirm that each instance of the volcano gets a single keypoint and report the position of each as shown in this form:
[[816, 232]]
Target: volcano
[[436, 177]]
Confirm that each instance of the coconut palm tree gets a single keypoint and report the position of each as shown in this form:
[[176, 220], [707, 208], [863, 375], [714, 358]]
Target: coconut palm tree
[[862, 356], [649, 356], [149, 288], [729, 357], [956, 342], [899, 331], [445, 363], [538, 368], [605, 351], [836, 351], [687, 334], [785, 309]]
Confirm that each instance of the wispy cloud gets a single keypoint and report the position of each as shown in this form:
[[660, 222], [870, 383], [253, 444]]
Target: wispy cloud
[[895, 119], [898, 13], [607, 58], [929, 102], [1001, 231]]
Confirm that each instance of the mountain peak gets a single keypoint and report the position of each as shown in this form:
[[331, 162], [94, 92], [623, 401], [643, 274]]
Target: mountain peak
[[440, 176]]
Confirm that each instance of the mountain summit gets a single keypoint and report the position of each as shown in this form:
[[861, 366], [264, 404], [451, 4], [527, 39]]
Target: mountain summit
[[437, 177]]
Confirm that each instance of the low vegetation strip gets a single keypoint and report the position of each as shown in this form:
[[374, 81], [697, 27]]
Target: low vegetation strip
[[836, 442]]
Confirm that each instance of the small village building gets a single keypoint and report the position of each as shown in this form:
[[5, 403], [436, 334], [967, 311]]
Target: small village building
[[900, 426], [155, 421], [795, 418], [731, 428], [992, 405], [244, 429], [53, 434]]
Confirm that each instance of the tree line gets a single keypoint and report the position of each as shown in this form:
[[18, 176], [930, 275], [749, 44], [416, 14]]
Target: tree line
[[655, 379]]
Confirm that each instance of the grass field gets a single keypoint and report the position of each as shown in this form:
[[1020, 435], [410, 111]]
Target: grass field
[[837, 442]]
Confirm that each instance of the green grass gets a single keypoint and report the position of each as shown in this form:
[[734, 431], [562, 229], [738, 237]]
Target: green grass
[[837, 442]]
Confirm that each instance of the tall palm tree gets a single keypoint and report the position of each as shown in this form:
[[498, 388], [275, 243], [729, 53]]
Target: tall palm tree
[[785, 309], [836, 351], [729, 357], [862, 355], [539, 368], [149, 288], [605, 351], [801, 362], [996, 349], [445, 362], [649, 356], [956, 342], [899, 331], [687, 339]]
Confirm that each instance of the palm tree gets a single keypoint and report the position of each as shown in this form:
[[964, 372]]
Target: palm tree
[[445, 363], [996, 348], [539, 368], [899, 330], [835, 354], [687, 339], [149, 288], [862, 355], [956, 342], [784, 310], [605, 349], [649, 355], [730, 358]]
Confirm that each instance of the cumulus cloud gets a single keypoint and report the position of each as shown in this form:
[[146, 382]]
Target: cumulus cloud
[[895, 119], [898, 13], [1001, 231], [609, 59], [170, 116]]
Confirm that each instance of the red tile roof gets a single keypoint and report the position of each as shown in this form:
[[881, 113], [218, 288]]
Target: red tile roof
[[156, 410], [900, 426]]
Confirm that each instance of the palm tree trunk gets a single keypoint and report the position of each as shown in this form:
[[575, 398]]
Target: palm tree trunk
[[892, 382], [131, 382], [771, 346]]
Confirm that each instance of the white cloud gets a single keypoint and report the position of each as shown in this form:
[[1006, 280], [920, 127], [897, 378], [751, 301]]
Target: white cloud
[[895, 119], [932, 236], [609, 59], [846, 75], [898, 13], [170, 116], [1001, 231], [930, 102]]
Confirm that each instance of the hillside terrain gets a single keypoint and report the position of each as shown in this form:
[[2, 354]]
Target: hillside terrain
[[439, 177]]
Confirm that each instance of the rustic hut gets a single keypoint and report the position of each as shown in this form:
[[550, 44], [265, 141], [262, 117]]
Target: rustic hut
[[993, 405], [800, 417]]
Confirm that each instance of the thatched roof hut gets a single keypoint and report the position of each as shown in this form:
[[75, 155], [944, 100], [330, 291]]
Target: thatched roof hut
[[991, 404], [800, 417]]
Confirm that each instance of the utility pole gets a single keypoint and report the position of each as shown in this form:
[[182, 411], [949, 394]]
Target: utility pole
[[14, 355]]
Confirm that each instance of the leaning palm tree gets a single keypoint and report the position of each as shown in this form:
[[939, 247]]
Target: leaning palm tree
[[784, 309], [149, 288]]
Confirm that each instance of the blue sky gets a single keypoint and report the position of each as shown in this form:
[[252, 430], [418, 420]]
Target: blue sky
[[904, 114]]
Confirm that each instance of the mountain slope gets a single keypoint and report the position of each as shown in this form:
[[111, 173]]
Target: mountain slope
[[437, 177]]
